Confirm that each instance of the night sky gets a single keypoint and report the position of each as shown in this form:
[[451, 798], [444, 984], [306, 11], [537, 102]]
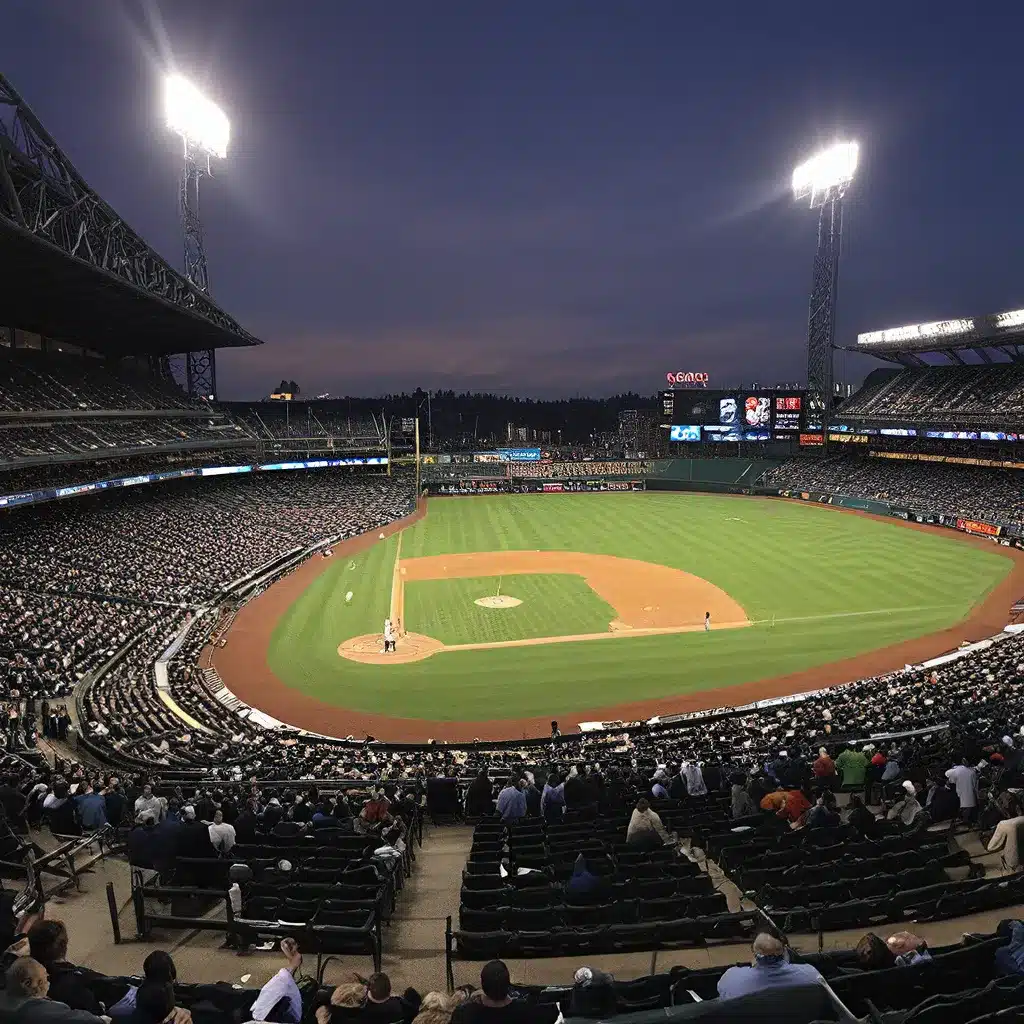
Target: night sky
[[548, 196]]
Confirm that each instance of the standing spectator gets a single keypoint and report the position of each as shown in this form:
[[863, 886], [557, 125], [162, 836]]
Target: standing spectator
[[852, 766], [150, 805], [965, 779], [552, 800], [512, 801], [222, 835]]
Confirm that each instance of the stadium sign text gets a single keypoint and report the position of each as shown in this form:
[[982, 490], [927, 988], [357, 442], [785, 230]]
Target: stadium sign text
[[686, 379]]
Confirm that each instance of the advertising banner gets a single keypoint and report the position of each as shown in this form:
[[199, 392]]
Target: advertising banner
[[975, 526]]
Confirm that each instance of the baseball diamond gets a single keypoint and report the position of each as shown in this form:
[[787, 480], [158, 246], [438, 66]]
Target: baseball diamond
[[658, 561]]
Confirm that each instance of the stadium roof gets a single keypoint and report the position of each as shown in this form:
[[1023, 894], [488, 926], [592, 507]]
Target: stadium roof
[[998, 337], [73, 270]]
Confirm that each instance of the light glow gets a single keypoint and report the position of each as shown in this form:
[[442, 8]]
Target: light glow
[[1015, 318], [832, 168], [195, 118], [915, 332]]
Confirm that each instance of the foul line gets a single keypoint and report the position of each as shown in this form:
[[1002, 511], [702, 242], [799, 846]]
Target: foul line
[[397, 592], [853, 615]]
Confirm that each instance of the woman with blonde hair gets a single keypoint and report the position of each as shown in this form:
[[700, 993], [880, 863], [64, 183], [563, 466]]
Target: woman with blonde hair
[[436, 1008]]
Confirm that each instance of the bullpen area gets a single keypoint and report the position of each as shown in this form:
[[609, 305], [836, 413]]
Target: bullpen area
[[513, 610]]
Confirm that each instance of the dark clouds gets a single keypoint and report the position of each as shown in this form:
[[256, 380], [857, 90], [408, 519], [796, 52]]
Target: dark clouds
[[547, 196]]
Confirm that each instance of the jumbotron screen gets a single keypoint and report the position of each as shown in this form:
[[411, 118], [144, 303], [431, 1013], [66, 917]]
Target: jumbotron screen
[[737, 415]]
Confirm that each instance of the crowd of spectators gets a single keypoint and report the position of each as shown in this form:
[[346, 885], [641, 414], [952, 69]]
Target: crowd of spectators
[[976, 492], [78, 579], [951, 395]]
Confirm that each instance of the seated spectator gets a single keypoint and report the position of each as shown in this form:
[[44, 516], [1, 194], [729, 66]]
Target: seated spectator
[[222, 835], [48, 944], [158, 968], [280, 999], [645, 830], [873, 954], [154, 1003], [860, 817], [824, 813], [493, 1004], [1009, 959], [347, 998], [24, 998], [436, 1008], [658, 790], [771, 969], [908, 948], [593, 994], [742, 805], [1008, 838], [381, 1007], [909, 808], [582, 881]]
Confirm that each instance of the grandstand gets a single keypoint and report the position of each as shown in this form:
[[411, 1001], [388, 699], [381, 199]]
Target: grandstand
[[142, 793]]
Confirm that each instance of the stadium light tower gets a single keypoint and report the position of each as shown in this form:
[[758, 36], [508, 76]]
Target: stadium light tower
[[823, 180], [204, 130]]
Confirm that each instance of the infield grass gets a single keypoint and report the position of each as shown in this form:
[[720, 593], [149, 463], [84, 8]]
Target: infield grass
[[554, 604], [819, 586]]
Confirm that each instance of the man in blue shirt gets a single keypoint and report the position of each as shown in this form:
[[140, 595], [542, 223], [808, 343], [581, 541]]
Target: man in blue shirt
[[512, 801], [771, 969], [92, 809]]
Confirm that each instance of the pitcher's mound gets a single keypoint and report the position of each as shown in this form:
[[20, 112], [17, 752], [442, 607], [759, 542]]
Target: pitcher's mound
[[497, 601], [369, 649]]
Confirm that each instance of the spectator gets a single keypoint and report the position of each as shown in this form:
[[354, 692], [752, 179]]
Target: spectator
[[280, 999], [852, 766], [92, 808], [436, 1008], [158, 969], [222, 835], [771, 968], [742, 805], [582, 882], [24, 999], [907, 809], [645, 830], [511, 801], [873, 954], [823, 814], [479, 801], [48, 943], [493, 1004], [942, 802], [552, 800], [658, 790], [824, 767], [860, 817], [965, 779], [381, 1007], [148, 804], [1009, 959]]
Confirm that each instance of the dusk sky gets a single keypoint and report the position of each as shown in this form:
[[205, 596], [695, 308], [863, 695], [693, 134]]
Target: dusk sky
[[548, 197]]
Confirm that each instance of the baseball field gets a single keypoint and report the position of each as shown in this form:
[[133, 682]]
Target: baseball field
[[518, 609]]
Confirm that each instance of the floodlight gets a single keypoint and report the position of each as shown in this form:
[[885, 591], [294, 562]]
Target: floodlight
[[199, 121], [829, 171], [1015, 318]]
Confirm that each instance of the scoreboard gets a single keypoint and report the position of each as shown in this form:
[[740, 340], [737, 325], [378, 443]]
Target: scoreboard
[[734, 415]]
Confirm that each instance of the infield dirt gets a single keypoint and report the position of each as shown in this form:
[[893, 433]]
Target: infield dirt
[[242, 663]]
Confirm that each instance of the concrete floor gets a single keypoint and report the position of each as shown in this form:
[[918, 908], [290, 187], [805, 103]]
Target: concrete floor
[[414, 944]]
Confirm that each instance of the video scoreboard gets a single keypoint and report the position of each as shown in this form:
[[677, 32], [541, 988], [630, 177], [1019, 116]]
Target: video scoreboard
[[735, 415]]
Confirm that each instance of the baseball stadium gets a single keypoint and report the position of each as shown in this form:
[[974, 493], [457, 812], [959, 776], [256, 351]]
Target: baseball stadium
[[706, 702]]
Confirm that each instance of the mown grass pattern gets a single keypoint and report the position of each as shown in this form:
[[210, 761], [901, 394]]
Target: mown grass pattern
[[553, 604], [836, 585]]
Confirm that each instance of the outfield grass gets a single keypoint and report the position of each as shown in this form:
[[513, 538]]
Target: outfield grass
[[819, 586], [554, 604]]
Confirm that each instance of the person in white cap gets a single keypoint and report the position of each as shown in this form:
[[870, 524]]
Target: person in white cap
[[907, 809]]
